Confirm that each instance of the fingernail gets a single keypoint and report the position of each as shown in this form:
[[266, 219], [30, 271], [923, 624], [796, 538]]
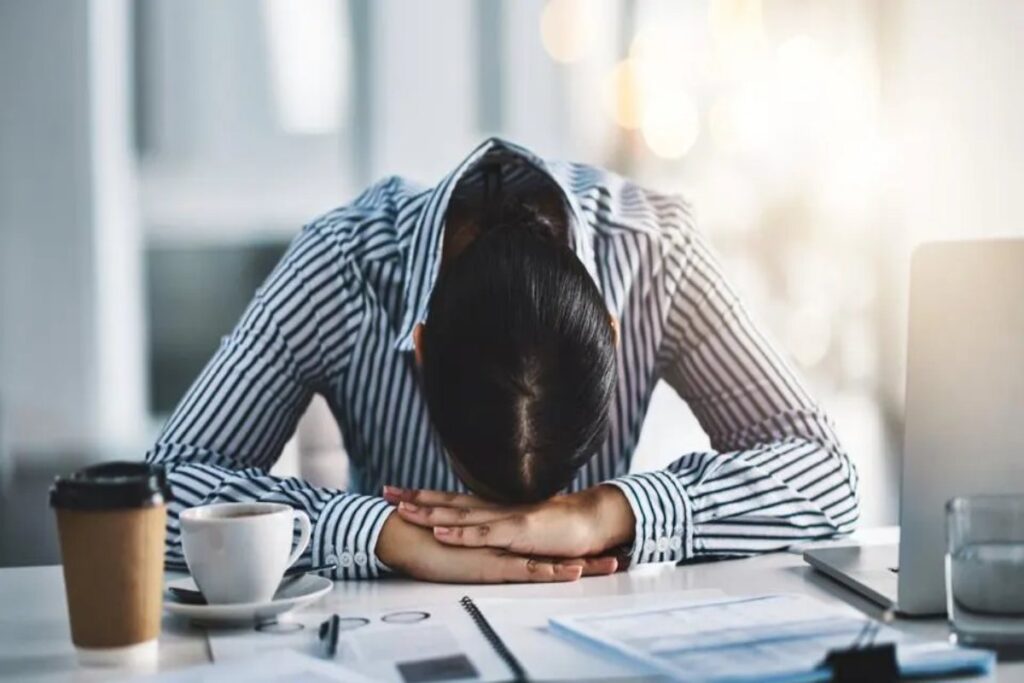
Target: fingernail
[[408, 507], [442, 530], [392, 490]]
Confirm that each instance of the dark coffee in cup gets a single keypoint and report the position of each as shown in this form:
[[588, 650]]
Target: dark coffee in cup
[[112, 523]]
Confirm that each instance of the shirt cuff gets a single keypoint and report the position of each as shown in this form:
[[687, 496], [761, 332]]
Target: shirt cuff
[[347, 533], [663, 532]]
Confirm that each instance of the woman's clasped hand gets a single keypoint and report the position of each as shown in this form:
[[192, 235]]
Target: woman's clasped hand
[[452, 537]]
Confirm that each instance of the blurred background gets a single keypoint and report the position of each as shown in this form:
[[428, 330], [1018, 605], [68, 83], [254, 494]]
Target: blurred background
[[157, 156]]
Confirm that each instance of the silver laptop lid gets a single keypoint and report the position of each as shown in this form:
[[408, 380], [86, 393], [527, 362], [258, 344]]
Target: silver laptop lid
[[965, 398]]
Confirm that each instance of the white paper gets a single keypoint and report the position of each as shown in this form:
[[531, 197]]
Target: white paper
[[784, 637], [523, 626], [383, 648], [379, 649], [273, 667]]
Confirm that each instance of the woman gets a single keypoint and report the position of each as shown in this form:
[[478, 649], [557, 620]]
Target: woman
[[501, 334]]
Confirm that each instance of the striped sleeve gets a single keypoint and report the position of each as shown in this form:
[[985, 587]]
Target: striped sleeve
[[777, 473], [233, 422]]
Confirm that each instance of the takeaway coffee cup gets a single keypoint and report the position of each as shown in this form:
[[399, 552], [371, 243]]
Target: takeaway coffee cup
[[237, 552], [111, 519]]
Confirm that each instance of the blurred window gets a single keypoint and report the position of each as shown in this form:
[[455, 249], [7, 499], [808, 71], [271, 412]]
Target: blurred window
[[243, 128]]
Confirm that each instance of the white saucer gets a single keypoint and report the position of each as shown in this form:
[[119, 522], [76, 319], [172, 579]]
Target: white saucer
[[296, 593]]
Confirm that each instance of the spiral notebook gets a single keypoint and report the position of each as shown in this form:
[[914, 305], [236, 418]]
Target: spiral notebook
[[515, 667], [524, 628]]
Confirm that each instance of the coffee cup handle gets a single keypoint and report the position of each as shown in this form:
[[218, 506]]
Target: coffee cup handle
[[304, 531]]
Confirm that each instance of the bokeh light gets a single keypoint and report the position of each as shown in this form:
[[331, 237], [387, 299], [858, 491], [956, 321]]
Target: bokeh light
[[622, 97], [737, 35], [722, 125], [567, 30], [670, 123]]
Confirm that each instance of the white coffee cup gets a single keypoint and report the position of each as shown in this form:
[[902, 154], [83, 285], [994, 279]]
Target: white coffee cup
[[238, 552]]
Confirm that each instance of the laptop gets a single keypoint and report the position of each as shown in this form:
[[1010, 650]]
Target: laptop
[[964, 428]]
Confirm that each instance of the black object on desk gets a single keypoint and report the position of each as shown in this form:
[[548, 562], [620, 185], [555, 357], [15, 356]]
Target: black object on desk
[[876, 663], [863, 660], [329, 636], [443, 668], [495, 641]]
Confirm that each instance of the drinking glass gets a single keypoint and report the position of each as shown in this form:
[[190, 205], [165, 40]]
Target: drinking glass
[[985, 569]]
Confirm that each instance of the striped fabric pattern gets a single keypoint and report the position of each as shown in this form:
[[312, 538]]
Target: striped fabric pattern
[[336, 318]]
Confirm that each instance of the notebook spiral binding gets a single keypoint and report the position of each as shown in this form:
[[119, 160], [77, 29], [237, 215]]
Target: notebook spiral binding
[[495, 641]]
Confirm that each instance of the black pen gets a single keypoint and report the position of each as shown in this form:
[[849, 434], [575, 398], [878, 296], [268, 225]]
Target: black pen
[[329, 636]]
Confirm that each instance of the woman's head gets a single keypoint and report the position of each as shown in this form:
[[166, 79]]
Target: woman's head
[[518, 358]]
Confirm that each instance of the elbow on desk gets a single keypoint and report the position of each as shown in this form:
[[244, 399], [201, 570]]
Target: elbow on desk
[[840, 497], [831, 490]]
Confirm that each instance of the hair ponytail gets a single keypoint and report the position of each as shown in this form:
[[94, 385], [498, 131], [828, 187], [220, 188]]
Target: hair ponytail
[[518, 356]]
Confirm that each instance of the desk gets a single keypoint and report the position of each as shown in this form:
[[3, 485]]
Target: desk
[[35, 643]]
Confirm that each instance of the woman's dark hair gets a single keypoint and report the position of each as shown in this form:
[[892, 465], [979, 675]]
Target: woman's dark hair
[[518, 358]]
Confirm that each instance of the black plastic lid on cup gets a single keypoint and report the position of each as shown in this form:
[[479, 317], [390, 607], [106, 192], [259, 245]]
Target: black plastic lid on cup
[[111, 486]]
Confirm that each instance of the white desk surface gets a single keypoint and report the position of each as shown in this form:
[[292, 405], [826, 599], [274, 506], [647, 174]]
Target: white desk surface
[[35, 642]]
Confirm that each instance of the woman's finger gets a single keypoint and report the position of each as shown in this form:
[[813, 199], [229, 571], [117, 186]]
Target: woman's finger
[[445, 516], [529, 569], [426, 497], [600, 566], [501, 533]]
